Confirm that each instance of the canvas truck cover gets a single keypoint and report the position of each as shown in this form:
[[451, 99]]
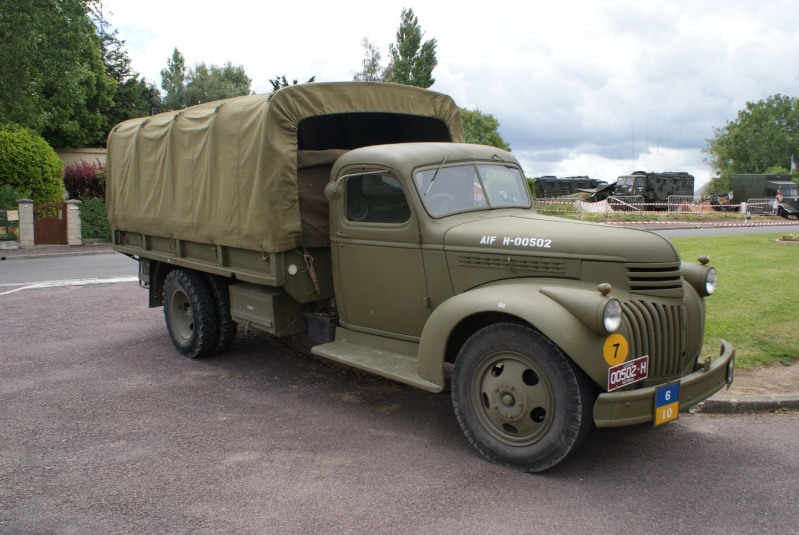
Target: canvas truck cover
[[226, 172]]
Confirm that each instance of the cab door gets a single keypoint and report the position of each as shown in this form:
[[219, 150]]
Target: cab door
[[377, 252]]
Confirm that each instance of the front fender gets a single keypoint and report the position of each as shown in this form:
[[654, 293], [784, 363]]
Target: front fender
[[529, 301]]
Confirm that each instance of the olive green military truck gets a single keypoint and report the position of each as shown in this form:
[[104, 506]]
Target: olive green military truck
[[651, 191], [353, 216], [767, 194]]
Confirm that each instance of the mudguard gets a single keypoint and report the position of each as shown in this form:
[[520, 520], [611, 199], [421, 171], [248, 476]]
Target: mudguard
[[549, 305]]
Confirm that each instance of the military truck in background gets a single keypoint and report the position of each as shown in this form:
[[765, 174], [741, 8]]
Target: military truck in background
[[774, 194], [551, 187], [352, 219], [652, 189]]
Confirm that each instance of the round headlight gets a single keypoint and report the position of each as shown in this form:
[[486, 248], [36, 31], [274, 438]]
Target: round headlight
[[710, 281], [611, 317]]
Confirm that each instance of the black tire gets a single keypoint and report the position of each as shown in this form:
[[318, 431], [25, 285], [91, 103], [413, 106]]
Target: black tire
[[518, 399], [226, 328], [189, 313]]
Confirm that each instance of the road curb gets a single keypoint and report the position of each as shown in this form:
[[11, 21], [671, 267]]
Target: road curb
[[749, 404]]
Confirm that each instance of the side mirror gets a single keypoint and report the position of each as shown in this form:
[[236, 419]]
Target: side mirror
[[333, 190]]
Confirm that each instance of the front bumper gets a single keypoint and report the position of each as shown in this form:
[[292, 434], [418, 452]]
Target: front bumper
[[617, 409]]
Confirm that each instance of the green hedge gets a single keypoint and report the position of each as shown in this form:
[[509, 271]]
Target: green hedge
[[9, 196], [28, 163], [93, 221]]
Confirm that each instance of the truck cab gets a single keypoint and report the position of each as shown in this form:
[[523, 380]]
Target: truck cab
[[440, 264]]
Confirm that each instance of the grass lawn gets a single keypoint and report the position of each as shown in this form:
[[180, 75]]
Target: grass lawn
[[756, 304]]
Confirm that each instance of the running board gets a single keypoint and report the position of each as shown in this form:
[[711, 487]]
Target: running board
[[356, 350]]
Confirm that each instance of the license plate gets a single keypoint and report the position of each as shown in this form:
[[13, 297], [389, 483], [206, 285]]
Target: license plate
[[628, 373], [667, 403]]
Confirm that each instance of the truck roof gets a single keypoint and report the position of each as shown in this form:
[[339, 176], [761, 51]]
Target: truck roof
[[405, 157], [226, 172]]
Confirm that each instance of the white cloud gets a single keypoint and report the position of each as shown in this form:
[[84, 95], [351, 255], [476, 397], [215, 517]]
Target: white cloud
[[579, 87]]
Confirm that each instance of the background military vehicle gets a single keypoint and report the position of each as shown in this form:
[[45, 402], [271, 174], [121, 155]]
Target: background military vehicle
[[350, 217], [652, 189], [767, 194], [550, 187]]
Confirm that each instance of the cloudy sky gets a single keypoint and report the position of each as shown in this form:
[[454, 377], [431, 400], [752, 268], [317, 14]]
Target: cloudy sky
[[598, 88]]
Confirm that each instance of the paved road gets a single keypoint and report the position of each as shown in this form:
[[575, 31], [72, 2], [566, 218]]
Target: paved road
[[106, 429], [725, 231], [101, 266]]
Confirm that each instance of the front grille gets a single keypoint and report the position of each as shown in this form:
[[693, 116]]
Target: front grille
[[660, 331], [660, 280]]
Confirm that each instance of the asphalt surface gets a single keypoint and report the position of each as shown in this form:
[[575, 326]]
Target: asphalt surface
[[106, 429]]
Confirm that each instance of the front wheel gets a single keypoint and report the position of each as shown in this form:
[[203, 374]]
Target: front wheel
[[518, 399]]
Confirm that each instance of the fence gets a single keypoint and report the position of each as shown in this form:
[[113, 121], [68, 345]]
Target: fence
[[678, 203], [760, 206], [627, 203], [635, 206]]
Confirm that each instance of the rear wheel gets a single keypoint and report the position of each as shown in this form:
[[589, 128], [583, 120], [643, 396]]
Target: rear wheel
[[518, 399], [225, 326], [189, 313]]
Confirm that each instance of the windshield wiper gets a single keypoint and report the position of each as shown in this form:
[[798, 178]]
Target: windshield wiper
[[435, 174]]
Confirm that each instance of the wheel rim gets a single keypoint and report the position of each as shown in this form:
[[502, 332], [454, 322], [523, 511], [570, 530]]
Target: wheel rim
[[513, 399], [182, 315]]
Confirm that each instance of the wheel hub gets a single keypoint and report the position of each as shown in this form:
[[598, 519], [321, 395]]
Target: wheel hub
[[508, 402], [514, 398]]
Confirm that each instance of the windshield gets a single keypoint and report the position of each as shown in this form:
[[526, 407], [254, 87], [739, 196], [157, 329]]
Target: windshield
[[468, 187]]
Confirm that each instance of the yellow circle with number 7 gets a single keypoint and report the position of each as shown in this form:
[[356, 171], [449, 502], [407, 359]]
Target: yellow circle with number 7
[[616, 349]]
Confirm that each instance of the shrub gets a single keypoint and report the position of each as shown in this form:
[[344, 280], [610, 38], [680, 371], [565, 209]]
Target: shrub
[[93, 220], [85, 180], [28, 163], [9, 196]]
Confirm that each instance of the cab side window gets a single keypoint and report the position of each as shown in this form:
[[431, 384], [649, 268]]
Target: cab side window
[[375, 199]]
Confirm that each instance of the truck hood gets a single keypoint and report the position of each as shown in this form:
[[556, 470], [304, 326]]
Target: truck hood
[[536, 235], [791, 204]]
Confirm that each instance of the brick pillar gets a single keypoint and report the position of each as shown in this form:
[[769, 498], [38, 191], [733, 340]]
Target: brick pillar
[[25, 207], [73, 223]]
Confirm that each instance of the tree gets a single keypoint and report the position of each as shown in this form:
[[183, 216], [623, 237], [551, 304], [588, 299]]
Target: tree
[[372, 70], [53, 79], [201, 83], [133, 96], [205, 84], [411, 61], [115, 57], [280, 81], [173, 82], [482, 129], [764, 135]]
